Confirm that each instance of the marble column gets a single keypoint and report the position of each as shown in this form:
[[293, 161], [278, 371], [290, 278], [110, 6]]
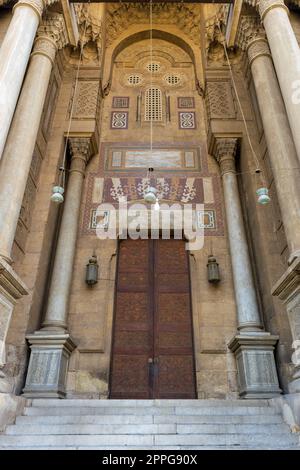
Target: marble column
[[286, 56], [14, 55], [52, 345], [15, 165], [17, 156], [252, 346], [282, 152]]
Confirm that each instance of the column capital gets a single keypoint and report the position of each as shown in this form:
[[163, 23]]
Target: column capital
[[51, 36], [264, 6], [81, 151], [37, 5], [225, 152], [249, 29]]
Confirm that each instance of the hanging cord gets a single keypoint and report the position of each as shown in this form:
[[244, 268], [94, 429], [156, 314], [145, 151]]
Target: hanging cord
[[257, 163], [63, 167]]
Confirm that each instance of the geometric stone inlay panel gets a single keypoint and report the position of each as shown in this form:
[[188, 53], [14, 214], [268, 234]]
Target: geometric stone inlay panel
[[119, 120], [187, 120]]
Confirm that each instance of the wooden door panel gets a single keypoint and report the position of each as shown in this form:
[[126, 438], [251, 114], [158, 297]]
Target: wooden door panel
[[130, 378], [152, 321], [173, 339], [176, 376], [133, 325]]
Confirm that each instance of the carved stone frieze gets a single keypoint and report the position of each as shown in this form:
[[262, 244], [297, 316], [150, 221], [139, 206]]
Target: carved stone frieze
[[185, 16]]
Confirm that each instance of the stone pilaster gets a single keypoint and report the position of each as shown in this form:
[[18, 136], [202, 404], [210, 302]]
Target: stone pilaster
[[52, 345], [253, 347]]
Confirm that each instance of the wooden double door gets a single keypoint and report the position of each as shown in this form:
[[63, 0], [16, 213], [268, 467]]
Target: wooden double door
[[152, 350]]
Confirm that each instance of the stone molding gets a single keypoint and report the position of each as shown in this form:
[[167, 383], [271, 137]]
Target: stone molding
[[264, 6], [288, 285], [10, 281], [37, 5], [258, 47], [45, 46]]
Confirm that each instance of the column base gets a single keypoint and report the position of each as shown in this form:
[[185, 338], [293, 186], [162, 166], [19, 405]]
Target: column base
[[48, 365], [288, 289], [257, 375]]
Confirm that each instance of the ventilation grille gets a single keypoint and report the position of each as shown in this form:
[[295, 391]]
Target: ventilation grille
[[172, 79], [153, 105], [134, 80], [153, 67]]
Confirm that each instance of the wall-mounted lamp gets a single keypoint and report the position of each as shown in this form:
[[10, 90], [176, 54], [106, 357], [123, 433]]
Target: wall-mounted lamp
[[213, 272], [92, 268]]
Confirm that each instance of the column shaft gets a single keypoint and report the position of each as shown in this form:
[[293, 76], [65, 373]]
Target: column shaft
[[282, 152], [286, 56], [57, 309], [17, 157], [14, 56], [246, 301]]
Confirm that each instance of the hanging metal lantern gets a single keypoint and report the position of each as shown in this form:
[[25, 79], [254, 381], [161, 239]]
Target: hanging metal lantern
[[92, 268], [213, 272], [57, 194], [263, 196], [150, 195]]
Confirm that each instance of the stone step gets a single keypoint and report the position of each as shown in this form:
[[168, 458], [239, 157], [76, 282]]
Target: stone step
[[113, 429], [212, 440], [148, 410], [90, 429], [151, 419], [50, 402], [150, 448], [111, 448]]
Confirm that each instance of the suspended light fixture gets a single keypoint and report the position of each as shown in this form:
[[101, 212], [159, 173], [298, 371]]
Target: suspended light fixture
[[57, 194], [262, 192], [58, 190], [150, 195]]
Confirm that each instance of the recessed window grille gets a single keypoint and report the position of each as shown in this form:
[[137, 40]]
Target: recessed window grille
[[153, 67], [134, 79], [172, 79], [153, 105]]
